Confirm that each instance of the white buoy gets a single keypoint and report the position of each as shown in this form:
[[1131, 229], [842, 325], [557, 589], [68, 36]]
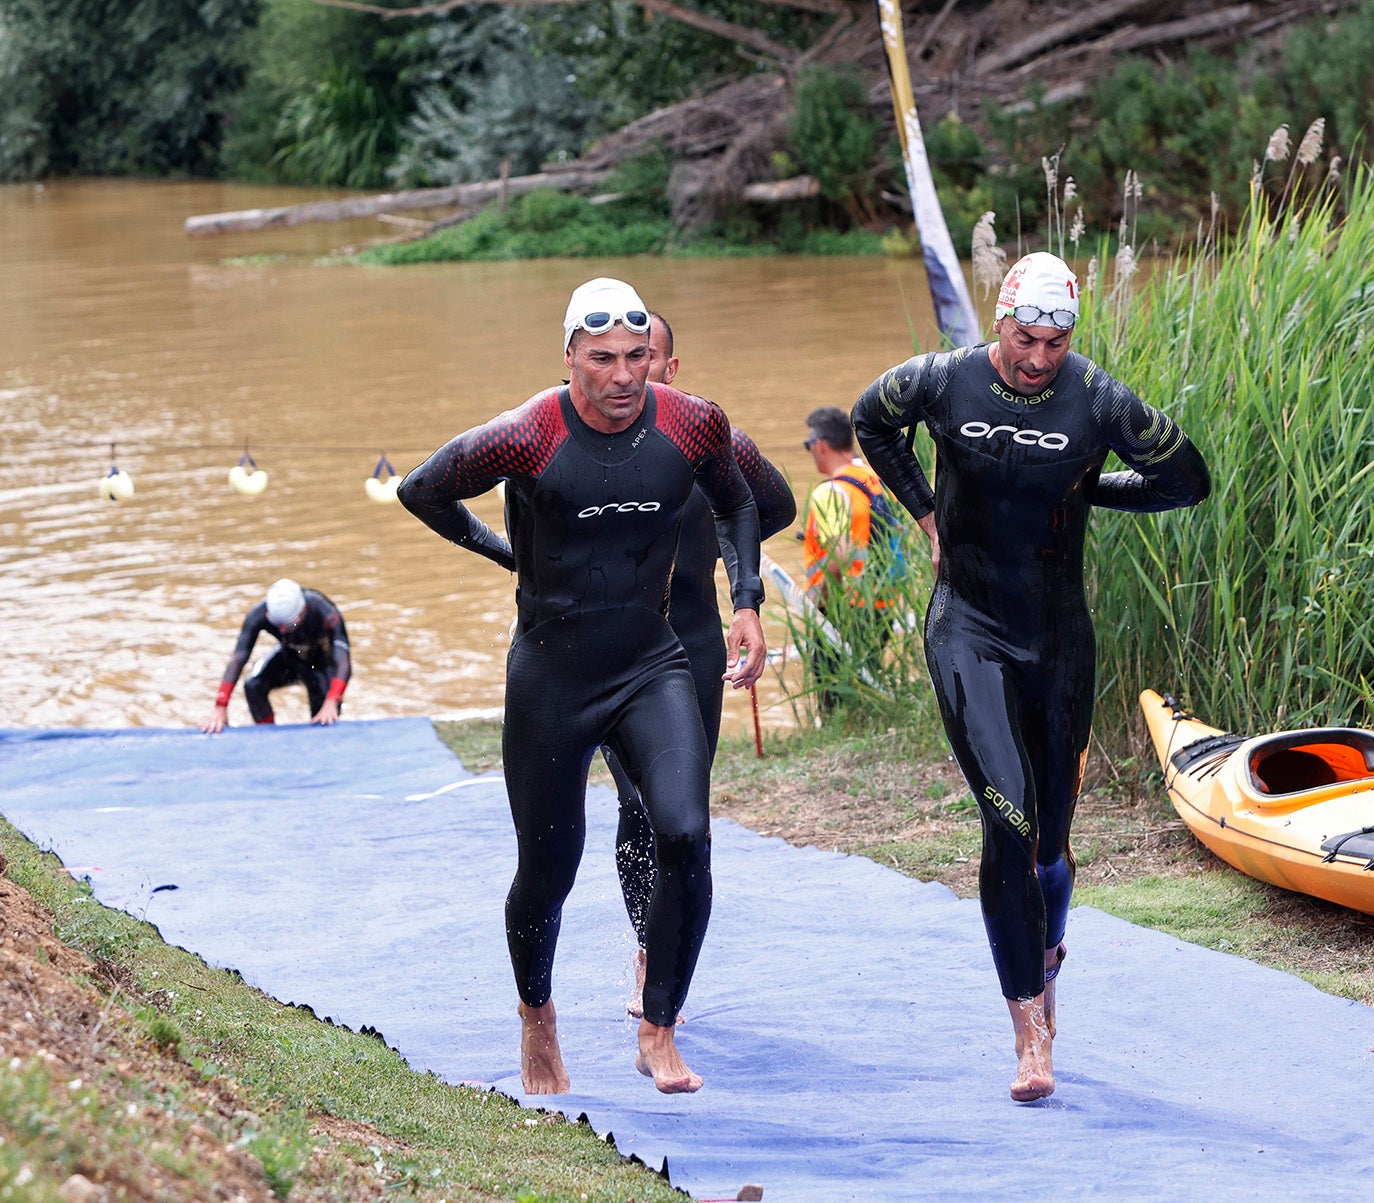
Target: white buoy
[[381, 490], [117, 486], [246, 482]]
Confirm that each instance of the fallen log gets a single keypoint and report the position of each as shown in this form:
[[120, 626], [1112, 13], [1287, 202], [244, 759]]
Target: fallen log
[[456, 196], [1057, 34], [799, 187]]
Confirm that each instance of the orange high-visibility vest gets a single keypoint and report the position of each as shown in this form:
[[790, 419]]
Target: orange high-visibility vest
[[815, 553]]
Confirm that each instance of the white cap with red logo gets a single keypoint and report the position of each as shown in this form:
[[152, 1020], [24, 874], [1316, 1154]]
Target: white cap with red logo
[[1040, 290]]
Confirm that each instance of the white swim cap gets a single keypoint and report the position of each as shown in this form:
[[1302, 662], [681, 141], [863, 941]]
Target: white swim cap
[[285, 602], [598, 304], [1044, 288]]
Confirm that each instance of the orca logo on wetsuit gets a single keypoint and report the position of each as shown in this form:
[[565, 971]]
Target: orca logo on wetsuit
[[620, 507], [1051, 441]]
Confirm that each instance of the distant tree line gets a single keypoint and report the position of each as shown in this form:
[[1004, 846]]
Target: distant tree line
[[303, 92]]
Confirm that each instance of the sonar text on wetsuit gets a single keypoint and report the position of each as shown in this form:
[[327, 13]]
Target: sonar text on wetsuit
[[1009, 639], [694, 614], [593, 521]]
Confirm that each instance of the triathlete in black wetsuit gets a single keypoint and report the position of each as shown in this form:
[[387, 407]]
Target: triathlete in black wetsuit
[[597, 475], [694, 614], [314, 651], [1022, 428]]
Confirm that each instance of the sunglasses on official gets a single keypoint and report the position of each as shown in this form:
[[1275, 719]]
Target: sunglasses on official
[[1031, 315]]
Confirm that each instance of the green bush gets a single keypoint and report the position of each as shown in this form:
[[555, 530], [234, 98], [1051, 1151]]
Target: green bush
[[1188, 129], [1328, 70], [339, 132], [835, 136], [117, 89], [488, 96], [326, 93]]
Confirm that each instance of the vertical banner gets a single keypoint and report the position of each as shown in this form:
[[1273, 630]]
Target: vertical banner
[[954, 310]]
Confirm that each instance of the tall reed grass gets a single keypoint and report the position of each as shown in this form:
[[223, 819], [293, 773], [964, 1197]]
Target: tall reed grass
[[874, 670], [1254, 606]]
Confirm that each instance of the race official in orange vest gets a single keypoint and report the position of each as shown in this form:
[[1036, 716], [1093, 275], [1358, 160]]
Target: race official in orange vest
[[835, 538], [835, 543]]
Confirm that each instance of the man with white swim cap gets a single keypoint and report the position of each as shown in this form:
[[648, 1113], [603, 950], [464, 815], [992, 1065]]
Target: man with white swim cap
[[314, 652], [1022, 427], [598, 474]]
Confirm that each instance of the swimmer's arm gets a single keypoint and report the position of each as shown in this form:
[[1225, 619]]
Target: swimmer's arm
[[433, 493], [1165, 471], [339, 648], [219, 716], [772, 494], [737, 529], [881, 416]]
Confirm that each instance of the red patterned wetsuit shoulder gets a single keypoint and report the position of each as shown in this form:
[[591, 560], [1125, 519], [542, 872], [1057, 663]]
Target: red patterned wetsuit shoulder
[[696, 426], [520, 441]]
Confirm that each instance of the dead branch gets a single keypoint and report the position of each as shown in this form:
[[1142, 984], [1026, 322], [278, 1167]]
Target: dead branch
[[1059, 33], [460, 195]]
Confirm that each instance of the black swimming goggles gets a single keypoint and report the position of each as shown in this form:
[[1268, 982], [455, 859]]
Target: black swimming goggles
[[636, 321], [1032, 315]]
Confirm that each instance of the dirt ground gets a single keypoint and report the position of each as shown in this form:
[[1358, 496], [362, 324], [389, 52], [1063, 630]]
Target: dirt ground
[[902, 804], [138, 1110]]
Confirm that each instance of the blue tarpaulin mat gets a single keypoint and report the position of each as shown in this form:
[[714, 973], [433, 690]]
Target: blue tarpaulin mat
[[846, 1018]]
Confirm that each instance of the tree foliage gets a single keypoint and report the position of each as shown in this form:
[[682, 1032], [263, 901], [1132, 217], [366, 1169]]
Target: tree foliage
[[486, 94], [105, 89], [835, 134]]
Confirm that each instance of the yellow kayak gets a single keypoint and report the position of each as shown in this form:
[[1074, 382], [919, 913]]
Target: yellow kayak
[[1295, 809]]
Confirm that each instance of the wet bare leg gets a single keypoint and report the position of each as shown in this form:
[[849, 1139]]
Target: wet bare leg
[[1034, 1068], [659, 1059], [1053, 959], [541, 1061], [635, 1003]]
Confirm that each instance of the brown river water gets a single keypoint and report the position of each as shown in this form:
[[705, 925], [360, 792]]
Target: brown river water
[[116, 329]]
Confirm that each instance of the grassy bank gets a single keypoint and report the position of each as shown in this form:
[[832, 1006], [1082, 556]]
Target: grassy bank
[[139, 1067], [1255, 604], [546, 224]]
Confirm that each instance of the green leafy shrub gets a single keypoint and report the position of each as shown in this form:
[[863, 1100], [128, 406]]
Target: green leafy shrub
[[339, 132], [115, 89], [1328, 70], [835, 136], [488, 95]]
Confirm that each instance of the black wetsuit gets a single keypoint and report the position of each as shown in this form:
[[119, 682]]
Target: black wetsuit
[[593, 520], [315, 653], [1009, 640], [694, 614]]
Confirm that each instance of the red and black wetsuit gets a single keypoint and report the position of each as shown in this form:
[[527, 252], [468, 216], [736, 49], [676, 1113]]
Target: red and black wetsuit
[[593, 522], [694, 614], [314, 653], [1009, 640]]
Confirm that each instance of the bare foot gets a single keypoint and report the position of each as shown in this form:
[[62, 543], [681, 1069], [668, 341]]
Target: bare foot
[[659, 1059], [1054, 957], [541, 1062], [1034, 1068]]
